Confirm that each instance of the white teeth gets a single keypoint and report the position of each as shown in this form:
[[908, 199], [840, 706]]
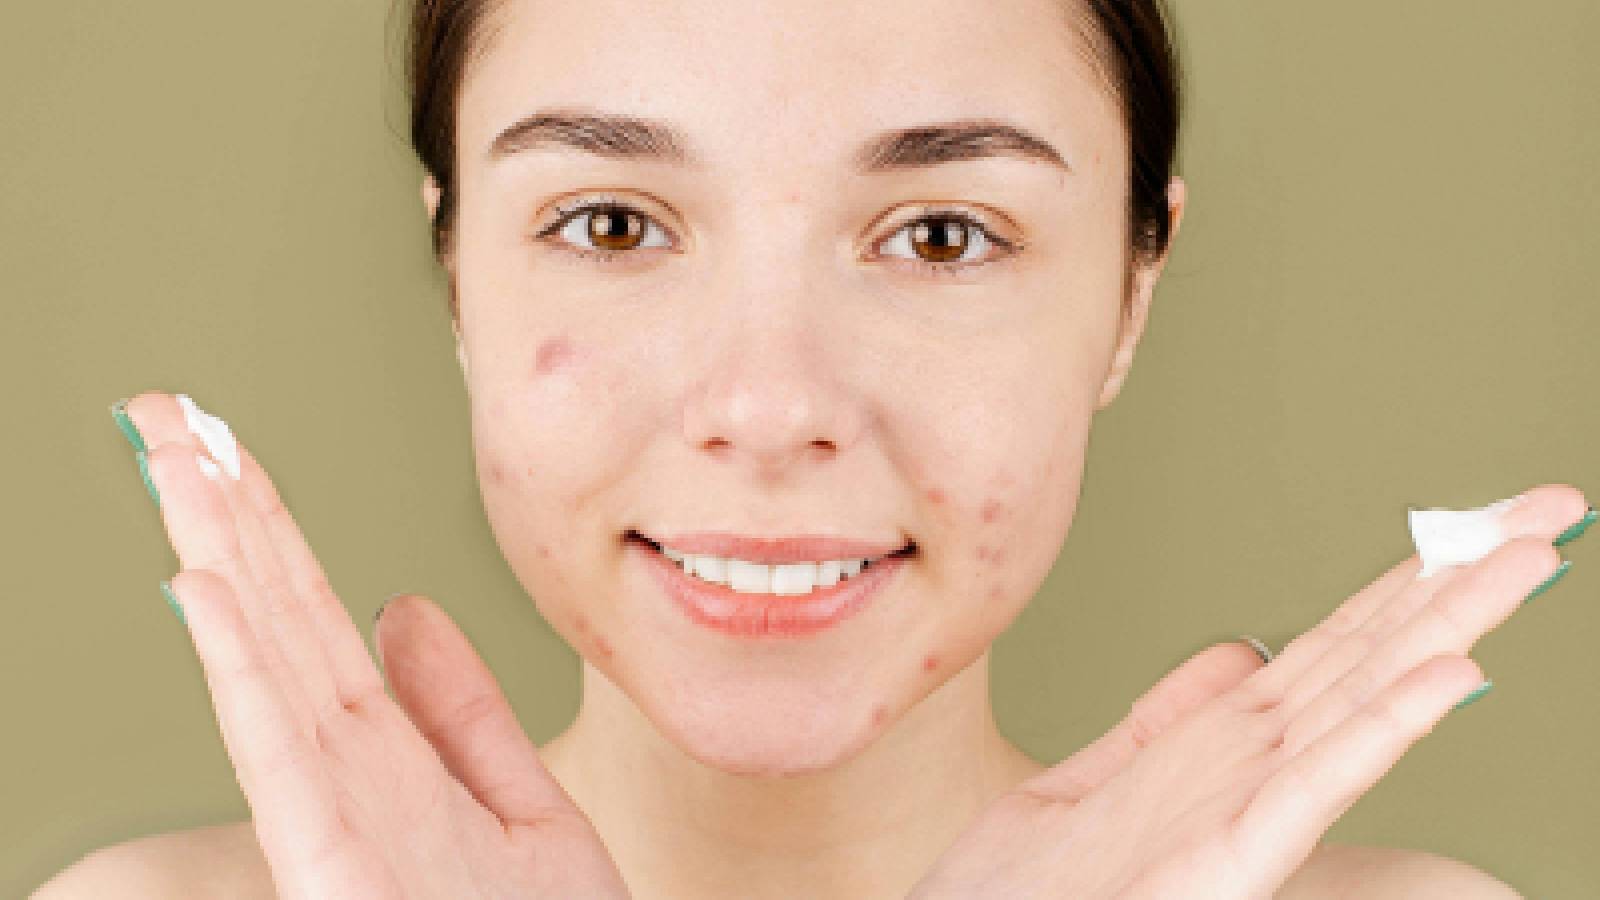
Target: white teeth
[[749, 578], [786, 579]]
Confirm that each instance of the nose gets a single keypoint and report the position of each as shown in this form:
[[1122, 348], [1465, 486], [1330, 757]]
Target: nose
[[772, 395]]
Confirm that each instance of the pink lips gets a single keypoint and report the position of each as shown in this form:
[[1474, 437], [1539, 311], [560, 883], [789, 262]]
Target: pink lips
[[723, 609], [793, 549]]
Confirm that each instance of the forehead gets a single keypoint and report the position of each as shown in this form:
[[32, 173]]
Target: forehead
[[799, 82]]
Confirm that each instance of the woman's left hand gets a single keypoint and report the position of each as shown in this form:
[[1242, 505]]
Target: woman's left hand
[[350, 794]]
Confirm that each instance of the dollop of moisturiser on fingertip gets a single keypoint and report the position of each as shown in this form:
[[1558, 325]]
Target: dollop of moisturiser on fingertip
[[1450, 537], [213, 433]]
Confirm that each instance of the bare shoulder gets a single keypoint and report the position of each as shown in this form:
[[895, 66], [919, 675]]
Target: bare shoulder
[[1338, 871], [211, 861]]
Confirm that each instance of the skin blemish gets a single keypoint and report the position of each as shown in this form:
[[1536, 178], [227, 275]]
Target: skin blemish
[[930, 662], [497, 472], [552, 355], [583, 624], [985, 551], [995, 594], [991, 511], [880, 714], [544, 551], [935, 495], [603, 646]]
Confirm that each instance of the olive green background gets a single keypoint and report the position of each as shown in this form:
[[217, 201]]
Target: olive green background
[[1382, 296]]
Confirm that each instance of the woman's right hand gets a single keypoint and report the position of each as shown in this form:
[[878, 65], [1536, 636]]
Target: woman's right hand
[[1229, 798], [353, 795]]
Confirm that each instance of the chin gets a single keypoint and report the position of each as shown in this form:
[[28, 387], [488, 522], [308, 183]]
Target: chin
[[763, 729]]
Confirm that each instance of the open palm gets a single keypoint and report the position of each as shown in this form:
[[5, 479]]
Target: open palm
[[352, 795]]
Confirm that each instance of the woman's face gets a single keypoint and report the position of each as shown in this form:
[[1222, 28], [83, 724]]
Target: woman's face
[[771, 350]]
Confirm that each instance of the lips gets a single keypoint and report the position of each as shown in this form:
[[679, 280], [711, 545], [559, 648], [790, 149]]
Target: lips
[[731, 612], [777, 550]]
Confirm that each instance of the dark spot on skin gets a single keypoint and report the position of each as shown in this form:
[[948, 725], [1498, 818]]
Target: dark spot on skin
[[497, 472], [935, 495], [992, 510], [583, 624], [603, 646], [880, 714], [930, 662], [552, 354]]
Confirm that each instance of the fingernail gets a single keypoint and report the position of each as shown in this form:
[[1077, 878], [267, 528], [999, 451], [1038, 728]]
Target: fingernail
[[144, 472], [1259, 646], [1477, 692], [119, 411], [172, 601], [1554, 577], [1571, 534]]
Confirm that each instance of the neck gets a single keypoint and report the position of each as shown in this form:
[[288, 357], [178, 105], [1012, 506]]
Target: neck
[[869, 827]]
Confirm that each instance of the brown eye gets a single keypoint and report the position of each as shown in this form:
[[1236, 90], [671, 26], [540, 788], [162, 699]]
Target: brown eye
[[945, 239], [615, 228]]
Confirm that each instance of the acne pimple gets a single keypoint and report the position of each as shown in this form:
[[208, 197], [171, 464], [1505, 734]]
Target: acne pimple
[[994, 593], [935, 495], [985, 551], [930, 662], [880, 714], [552, 354], [543, 551], [603, 646], [497, 472], [583, 624], [991, 510]]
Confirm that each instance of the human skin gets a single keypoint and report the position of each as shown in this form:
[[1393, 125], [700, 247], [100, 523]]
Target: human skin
[[768, 366]]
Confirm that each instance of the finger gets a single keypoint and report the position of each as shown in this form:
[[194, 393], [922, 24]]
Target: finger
[[1205, 675], [341, 653], [455, 702], [1543, 514], [200, 528], [1280, 826], [354, 675], [281, 618], [278, 766], [1448, 624], [1530, 513]]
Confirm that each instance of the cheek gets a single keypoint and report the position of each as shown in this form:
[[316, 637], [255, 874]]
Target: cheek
[[552, 355]]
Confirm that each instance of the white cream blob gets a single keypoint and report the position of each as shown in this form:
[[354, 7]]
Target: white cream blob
[[1450, 537], [215, 434]]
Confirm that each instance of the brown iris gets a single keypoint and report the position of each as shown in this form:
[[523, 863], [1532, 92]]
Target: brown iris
[[945, 236], [615, 228]]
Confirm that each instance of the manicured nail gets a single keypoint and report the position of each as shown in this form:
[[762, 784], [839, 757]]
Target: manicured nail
[[119, 411], [1477, 692], [144, 472], [172, 601], [1571, 534], [1259, 646], [1545, 585]]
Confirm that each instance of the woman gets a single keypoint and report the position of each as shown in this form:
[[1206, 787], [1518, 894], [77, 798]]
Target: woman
[[757, 323]]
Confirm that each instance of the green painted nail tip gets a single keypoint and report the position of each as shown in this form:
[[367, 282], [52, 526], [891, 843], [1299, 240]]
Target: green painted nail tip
[[144, 472], [119, 411], [166, 590], [1477, 692], [1554, 577], [1582, 525]]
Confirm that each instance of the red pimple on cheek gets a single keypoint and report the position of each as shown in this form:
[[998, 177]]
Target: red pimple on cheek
[[603, 646], [992, 510], [582, 624], [930, 662], [552, 354], [880, 714], [935, 495]]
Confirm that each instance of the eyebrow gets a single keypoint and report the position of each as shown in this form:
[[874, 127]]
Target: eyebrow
[[617, 136]]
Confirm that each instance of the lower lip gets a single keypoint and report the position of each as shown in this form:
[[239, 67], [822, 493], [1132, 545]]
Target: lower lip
[[724, 609]]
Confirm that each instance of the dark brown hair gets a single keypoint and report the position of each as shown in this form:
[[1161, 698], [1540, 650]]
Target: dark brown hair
[[1130, 46]]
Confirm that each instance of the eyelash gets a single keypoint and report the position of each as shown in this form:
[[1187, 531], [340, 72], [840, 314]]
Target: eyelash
[[611, 204]]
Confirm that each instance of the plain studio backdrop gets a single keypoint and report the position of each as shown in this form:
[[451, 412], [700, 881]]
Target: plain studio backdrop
[[1383, 295]]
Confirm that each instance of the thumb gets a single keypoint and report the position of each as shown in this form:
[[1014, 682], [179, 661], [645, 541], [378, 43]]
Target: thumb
[[1203, 676], [454, 701]]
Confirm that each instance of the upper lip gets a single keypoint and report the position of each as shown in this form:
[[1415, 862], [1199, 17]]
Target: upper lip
[[773, 550]]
